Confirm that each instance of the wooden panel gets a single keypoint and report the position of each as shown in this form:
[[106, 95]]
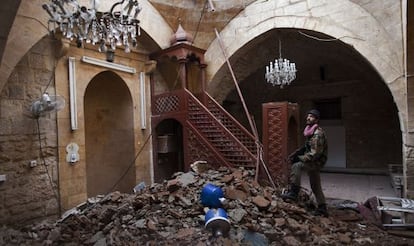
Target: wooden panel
[[280, 133]]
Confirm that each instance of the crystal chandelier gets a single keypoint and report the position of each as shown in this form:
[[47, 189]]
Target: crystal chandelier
[[117, 27], [282, 72]]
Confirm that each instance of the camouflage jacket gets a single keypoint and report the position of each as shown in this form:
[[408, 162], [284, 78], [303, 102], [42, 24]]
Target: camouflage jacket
[[316, 148]]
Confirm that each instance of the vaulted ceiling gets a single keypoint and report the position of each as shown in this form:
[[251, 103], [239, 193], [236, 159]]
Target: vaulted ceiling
[[198, 17]]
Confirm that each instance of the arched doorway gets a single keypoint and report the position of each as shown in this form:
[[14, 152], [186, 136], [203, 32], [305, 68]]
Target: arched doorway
[[357, 108], [169, 152], [109, 135]]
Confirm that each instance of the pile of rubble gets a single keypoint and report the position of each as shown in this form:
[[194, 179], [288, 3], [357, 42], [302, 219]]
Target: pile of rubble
[[171, 214]]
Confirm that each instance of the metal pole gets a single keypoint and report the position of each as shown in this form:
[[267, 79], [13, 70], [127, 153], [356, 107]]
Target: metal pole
[[237, 87], [252, 125]]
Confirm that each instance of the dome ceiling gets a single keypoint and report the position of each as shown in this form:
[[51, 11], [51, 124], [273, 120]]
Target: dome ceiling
[[197, 17]]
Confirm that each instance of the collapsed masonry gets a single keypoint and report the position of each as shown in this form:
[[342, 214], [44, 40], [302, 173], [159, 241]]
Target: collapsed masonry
[[171, 213]]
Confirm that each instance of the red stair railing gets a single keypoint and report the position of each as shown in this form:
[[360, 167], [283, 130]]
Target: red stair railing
[[232, 124], [219, 137], [212, 133]]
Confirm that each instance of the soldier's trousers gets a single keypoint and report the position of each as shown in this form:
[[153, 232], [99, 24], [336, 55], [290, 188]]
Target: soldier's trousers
[[314, 178]]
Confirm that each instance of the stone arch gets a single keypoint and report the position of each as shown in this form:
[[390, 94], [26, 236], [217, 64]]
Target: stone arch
[[342, 19], [85, 74], [109, 135], [30, 25]]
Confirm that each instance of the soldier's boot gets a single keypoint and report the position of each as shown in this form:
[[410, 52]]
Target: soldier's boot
[[321, 210], [292, 194]]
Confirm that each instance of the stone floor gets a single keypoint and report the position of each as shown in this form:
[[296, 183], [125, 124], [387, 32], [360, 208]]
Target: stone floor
[[354, 187]]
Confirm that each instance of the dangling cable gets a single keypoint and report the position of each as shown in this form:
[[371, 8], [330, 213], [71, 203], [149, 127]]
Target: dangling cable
[[199, 21], [44, 162], [131, 164], [51, 78], [55, 193]]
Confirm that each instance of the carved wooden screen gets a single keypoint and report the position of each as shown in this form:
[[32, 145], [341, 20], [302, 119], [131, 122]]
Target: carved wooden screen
[[280, 137]]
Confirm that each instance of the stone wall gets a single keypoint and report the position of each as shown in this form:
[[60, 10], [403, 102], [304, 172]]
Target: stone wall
[[29, 192], [52, 185]]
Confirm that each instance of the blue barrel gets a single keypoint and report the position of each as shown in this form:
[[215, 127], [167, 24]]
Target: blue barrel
[[217, 221], [210, 196]]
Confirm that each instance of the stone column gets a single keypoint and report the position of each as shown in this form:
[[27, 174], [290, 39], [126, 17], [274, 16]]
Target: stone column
[[409, 136]]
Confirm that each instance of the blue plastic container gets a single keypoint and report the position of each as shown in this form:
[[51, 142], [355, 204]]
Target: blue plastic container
[[210, 196], [217, 221]]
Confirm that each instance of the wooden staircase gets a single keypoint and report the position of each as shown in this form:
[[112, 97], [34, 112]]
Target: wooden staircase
[[210, 133], [205, 131]]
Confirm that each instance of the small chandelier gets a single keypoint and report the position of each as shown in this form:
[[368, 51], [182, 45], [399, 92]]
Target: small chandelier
[[282, 72], [119, 26]]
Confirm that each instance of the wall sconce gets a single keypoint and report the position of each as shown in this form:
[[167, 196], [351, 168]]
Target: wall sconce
[[72, 153]]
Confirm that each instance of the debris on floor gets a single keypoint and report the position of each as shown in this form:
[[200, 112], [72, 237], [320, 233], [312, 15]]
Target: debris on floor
[[171, 213], [395, 212]]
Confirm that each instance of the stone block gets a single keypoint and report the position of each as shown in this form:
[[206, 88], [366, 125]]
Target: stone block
[[409, 142], [410, 167], [43, 77], [410, 183], [36, 61], [13, 78], [10, 108], [16, 91], [25, 75], [5, 128]]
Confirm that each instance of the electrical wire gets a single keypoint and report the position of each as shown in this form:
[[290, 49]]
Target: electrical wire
[[54, 67], [32, 18], [199, 21], [44, 161], [108, 193], [138, 153], [51, 78], [180, 68], [131, 164], [328, 39], [42, 158]]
